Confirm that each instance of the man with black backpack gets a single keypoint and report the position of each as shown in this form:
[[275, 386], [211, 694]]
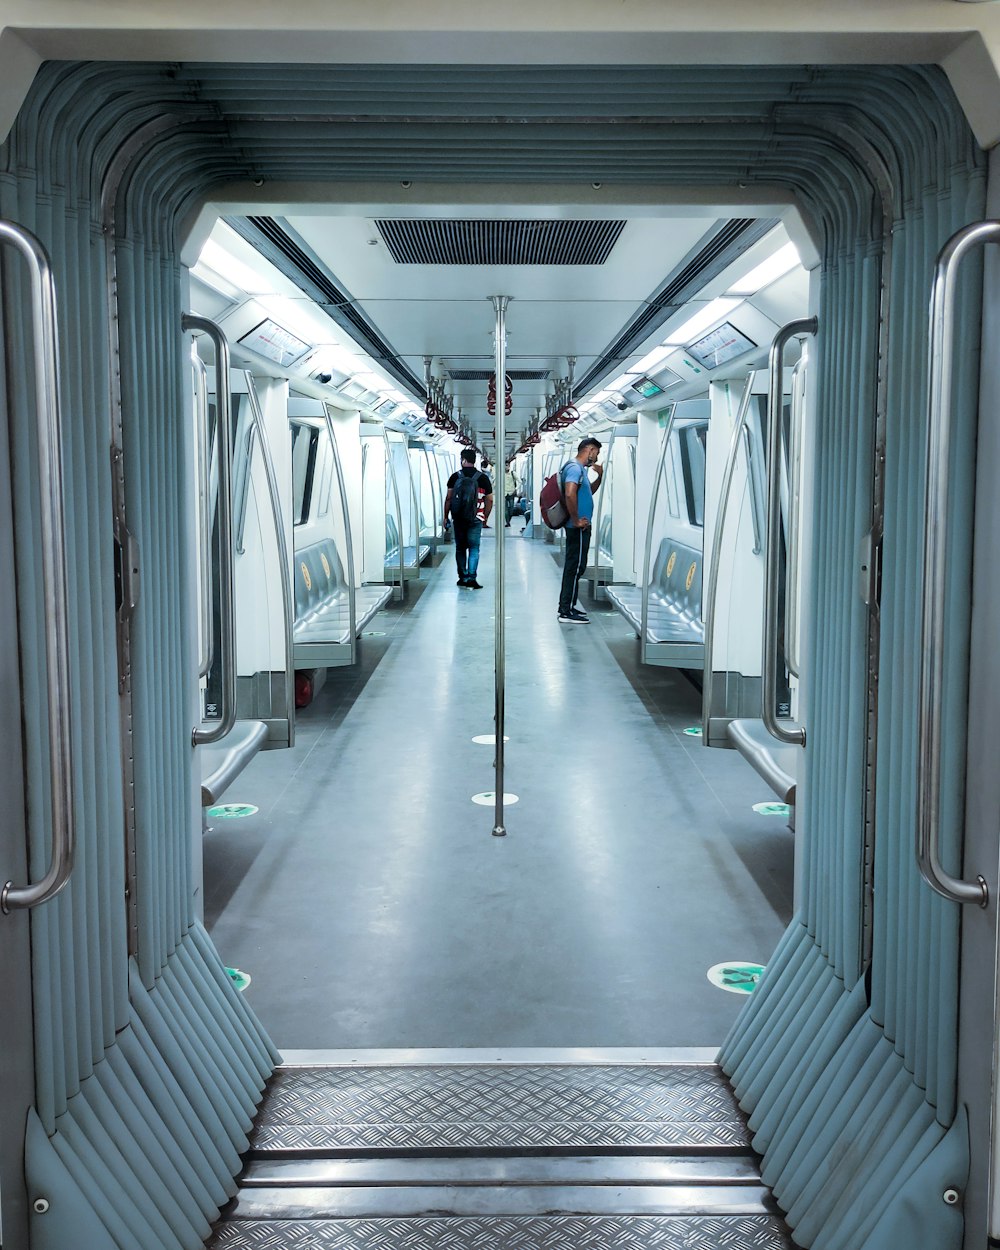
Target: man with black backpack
[[469, 502]]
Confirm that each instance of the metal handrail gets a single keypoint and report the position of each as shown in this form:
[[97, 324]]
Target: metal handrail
[[933, 625], [241, 523], [352, 594], [644, 614], [795, 513], [284, 556], [755, 519], [399, 513], [713, 572], [201, 736], [203, 450], [769, 658], [59, 689], [500, 307]]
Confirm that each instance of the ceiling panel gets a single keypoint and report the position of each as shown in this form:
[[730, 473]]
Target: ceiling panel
[[556, 310]]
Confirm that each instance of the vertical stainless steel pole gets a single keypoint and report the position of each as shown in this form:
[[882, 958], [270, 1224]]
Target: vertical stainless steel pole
[[499, 470], [224, 453], [58, 684], [772, 534]]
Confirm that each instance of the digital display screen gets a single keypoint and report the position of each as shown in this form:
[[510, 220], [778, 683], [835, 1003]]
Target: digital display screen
[[646, 387], [274, 343], [721, 344]]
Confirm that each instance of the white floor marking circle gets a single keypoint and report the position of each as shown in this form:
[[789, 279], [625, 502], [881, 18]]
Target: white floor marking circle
[[488, 740], [490, 797]]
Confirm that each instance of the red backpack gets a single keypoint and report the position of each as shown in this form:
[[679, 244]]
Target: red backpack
[[551, 502]]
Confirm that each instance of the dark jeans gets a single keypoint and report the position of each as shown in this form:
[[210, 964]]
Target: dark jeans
[[577, 549], [467, 540]]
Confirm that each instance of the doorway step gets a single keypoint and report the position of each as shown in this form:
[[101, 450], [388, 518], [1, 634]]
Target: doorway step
[[533, 1150]]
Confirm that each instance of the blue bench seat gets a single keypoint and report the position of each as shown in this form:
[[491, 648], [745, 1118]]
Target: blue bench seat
[[413, 557], [321, 635], [673, 621]]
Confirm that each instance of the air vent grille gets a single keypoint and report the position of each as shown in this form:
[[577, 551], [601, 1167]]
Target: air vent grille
[[468, 241], [484, 375]]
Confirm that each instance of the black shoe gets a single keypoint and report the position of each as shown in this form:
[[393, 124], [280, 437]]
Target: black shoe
[[567, 618], [579, 614], [474, 584], [461, 582]]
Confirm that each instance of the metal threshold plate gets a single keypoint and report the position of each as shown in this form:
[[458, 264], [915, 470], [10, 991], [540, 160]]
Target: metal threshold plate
[[613, 1170], [371, 1202], [545, 1232], [502, 1108]]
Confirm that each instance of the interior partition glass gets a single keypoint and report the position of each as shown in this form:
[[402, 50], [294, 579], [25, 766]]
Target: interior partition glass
[[425, 489], [323, 629], [401, 520], [672, 625], [262, 576], [734, 688]]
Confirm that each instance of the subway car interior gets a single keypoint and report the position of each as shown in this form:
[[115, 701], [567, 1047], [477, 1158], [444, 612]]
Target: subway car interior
[[357, 896]]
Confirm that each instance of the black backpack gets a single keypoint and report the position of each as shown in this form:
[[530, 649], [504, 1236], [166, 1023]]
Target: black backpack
[[465, 498]]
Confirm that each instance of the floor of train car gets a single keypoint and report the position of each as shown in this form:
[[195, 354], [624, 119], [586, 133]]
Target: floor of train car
[[371, 905]]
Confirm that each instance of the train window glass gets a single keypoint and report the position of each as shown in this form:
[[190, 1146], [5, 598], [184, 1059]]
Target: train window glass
[[304, 443], [692, 444]]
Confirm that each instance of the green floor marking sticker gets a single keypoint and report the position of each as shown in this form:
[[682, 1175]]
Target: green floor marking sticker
[[737, 978], [693, 731], [232, 811], [373, 633], [240, 979], [773, 809]]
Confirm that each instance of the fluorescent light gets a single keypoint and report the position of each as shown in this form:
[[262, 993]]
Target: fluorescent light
[[620, 382], [704, 319], [371, 381], [332, 358], [239, 273], [784, 260], [651, 360]]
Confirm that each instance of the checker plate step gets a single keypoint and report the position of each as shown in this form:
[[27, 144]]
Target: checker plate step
[[547, 1232], [476, 1107]]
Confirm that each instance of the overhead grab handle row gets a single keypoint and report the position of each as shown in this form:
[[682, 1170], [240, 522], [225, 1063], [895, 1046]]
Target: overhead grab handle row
[[203, 734], [59, 691], [769, 659], [933, 628]]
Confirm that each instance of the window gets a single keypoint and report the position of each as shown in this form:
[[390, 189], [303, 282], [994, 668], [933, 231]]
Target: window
[[692, 445], [305, 441]]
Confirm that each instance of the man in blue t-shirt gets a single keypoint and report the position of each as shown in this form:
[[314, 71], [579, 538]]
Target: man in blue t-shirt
[[578, 492]]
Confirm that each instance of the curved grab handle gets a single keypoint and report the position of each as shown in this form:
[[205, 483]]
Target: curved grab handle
[[769, 659], [939, 420], [58, 687], [224, 442]]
